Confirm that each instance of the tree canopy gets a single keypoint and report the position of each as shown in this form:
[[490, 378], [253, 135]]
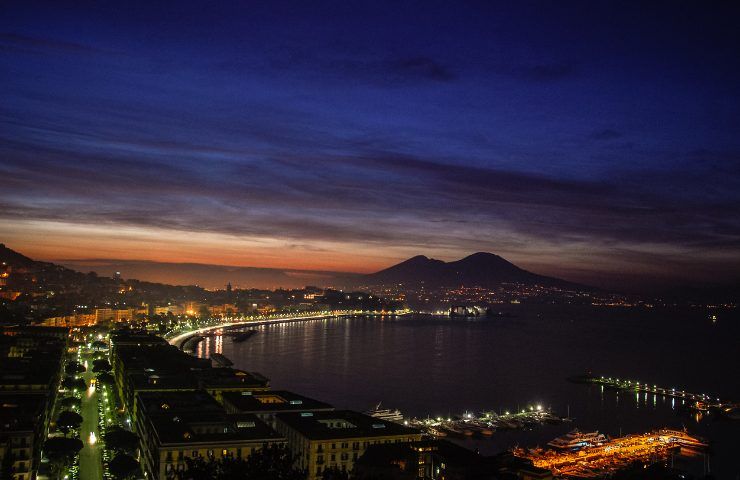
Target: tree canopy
[[270, 463], [62, 450], [101, 365], [68, 420], [106, 379], [71, 383], [73, 368], [124, 466], [120, 440]]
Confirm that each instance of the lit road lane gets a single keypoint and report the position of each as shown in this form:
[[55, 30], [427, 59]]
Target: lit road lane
[[91, 467]]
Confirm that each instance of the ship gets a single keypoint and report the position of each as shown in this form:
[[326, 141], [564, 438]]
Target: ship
[[576, 440], [386, 414]]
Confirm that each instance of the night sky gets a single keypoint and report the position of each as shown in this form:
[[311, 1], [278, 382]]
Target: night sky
[[595, 141]]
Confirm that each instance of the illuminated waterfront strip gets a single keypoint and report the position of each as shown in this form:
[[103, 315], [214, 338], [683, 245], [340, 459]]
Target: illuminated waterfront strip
[[177, 340], [612, 455]]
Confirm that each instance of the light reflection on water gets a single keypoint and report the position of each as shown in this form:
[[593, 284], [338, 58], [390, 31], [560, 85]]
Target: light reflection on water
[[438, 366]]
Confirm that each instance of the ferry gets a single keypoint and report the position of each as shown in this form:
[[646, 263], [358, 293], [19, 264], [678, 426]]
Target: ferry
[[576, 440], [386, 414]]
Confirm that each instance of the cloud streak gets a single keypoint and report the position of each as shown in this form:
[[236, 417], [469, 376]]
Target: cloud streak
[[499, 135]]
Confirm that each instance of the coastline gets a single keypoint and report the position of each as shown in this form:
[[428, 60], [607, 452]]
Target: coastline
[[180, 339]]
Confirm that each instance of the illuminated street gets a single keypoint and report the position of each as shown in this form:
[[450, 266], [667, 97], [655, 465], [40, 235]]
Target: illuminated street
[[90, 463]]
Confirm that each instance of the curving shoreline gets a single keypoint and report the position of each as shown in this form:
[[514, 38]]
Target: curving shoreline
[[180, 339]]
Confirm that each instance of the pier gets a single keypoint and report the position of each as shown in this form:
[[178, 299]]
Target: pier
[[697, 401]]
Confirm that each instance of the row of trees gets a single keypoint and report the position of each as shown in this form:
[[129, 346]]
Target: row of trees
[[124, 444], [61, 451], [270, 463]]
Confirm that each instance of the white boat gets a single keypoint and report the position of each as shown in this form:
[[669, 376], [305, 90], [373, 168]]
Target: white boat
[[575, 440], [386, 414]]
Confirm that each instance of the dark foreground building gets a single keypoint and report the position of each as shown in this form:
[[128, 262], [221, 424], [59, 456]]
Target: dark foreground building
[[441, 460]]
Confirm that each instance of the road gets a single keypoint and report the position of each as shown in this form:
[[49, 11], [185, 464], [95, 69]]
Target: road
[[180, 338], [91, 467]]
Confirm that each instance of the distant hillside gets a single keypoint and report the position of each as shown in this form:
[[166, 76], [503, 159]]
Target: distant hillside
[[159, 274], [63, 287], [480, 269], [205, 275]]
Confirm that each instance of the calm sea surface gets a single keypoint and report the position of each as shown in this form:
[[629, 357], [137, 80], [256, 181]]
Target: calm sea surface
[[434, 366]]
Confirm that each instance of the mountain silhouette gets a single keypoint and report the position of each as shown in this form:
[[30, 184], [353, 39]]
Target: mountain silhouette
[[479, 269]]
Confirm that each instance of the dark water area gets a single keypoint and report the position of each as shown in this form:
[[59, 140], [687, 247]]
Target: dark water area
[[438, 366]]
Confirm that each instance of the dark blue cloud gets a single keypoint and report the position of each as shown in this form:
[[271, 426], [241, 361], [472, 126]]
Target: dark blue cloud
[[470, 128]]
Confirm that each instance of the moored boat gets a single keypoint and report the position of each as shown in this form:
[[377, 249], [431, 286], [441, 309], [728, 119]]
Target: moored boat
[[387, 414], [575, 440]]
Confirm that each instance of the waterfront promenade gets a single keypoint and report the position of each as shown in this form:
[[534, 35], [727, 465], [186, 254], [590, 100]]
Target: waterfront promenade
[[177, 338]]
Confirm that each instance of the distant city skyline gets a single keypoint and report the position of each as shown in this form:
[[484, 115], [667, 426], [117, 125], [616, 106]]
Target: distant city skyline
[[595, 142]]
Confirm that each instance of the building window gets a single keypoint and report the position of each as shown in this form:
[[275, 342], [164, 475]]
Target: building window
[[224, 452]]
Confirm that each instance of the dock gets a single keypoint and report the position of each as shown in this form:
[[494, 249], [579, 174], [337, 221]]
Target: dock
[[697, 401], [615, 454], [485, 423]]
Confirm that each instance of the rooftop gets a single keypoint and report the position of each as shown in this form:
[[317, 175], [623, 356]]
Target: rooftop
[[196, 418], [198, 401], [231, 377], [341, 424], [160, 358], [210, 428], [272, 401], [135, 337]]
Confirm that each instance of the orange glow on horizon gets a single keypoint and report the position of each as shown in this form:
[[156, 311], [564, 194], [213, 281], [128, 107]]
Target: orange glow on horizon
[[52, 241]]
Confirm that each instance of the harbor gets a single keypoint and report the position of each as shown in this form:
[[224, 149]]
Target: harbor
[[611, 455], [469, 424]]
